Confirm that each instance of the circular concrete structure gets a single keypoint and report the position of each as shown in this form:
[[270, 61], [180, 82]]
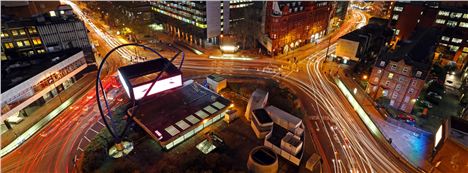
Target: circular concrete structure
[[262, 160]]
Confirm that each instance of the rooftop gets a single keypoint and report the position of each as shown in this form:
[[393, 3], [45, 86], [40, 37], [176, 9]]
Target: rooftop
[[169, 113], [147, 71], [418, 51], [216, 77], [17, 71], [262, 116]]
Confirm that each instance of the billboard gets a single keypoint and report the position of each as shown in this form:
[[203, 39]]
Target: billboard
[[438, 136]]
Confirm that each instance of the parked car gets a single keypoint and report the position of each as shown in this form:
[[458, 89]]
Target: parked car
[[407, 119]]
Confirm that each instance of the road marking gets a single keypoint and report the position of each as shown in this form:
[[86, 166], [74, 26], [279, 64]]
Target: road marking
[[79, 148], [93, 130], [87, 138], [102, 124]]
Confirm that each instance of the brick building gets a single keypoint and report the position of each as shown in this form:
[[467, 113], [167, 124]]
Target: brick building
[[400, 74], [290, 24]]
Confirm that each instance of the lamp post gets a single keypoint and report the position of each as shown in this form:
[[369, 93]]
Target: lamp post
[[121, 147]]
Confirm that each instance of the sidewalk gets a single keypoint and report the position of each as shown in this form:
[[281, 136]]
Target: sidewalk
[[69, 95], [415, 147]]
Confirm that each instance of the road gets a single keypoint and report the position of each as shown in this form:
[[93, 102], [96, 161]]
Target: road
[[344, 142]]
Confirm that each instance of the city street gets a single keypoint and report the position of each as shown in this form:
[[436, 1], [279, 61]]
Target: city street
[[343, 140]]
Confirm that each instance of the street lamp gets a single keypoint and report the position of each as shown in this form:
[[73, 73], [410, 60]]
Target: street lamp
[[120, 147]]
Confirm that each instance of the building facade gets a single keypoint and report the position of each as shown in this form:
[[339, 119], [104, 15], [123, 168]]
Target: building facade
[[199, 23], [26, 9], [449, 17], [27, 87], [289, 25], [400, 74], [54, 31]]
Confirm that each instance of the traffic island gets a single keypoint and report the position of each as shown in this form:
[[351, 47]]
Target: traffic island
[[148, 155]]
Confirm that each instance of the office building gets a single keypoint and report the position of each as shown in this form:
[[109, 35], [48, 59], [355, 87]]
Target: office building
[[199, 23], [400, 74], [450, 17], [290, 24], [54, 31], [27, 85], [174, 116]]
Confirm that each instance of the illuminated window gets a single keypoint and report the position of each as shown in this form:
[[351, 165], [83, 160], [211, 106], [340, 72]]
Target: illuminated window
[[443, 13], [456, 15], [27, 43], [41, 51], [62, 12], [32, 30], [465, 49], [5, 34], [379, 71], [445, 38], [390, 76], [395, 17], [22, 32], [8, 45], [463, 24], [398, 8], [440, 21], [393, 67], [37, 41], [382, 63], [19, 43], [52, 13], [452, 23], [454, 48], [465, 16], [418, 74], [456, 40], [405, 70], [14, 32]]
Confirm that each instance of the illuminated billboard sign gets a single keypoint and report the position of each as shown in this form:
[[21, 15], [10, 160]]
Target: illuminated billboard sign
[[139, 77], [438, 136]]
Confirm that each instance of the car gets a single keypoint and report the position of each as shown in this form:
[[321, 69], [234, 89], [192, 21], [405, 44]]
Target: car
[[406, 118]]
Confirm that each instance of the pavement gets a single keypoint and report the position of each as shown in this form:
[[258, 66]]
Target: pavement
[[71, 94], [415, 147]]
